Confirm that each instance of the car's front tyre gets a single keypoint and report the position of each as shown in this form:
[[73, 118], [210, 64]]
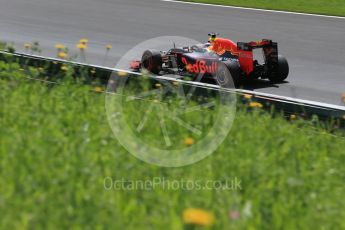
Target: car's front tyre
[[228, 74], [152, 61]]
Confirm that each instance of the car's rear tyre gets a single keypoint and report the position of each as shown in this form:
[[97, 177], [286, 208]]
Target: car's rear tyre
[[152, 61], [228, 74], [282, 71]]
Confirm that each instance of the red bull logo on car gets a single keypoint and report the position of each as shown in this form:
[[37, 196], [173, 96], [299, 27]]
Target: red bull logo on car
[[200, 66]]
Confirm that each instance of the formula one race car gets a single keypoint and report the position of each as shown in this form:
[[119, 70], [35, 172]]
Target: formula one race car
[[195, 61]]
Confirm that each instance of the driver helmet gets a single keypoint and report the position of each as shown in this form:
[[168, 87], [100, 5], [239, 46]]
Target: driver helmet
[[212, 37]]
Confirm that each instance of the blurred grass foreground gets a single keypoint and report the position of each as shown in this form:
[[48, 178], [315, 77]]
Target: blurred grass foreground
[[60, 163]]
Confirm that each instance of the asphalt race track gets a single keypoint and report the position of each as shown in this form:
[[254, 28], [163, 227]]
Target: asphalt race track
[[314, 46]]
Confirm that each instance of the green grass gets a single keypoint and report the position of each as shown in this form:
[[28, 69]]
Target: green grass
[[57, 148], [331, 7]]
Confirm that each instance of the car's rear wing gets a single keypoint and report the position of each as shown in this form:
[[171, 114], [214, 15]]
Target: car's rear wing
[[245, 54]]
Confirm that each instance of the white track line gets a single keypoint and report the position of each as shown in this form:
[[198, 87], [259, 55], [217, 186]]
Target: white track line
[[254, 9], [290, 100]]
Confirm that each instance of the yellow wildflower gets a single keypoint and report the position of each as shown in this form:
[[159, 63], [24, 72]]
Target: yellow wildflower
[[122, 73], [59, 46], [293, 117], [175, 83], [248, 96], [157, 85], [27, 45], [64, 68], [198, 217], [81, 46], [189, 141], [255, 105], [83, 41], [109, 47], [62, 55], [98, 89]]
